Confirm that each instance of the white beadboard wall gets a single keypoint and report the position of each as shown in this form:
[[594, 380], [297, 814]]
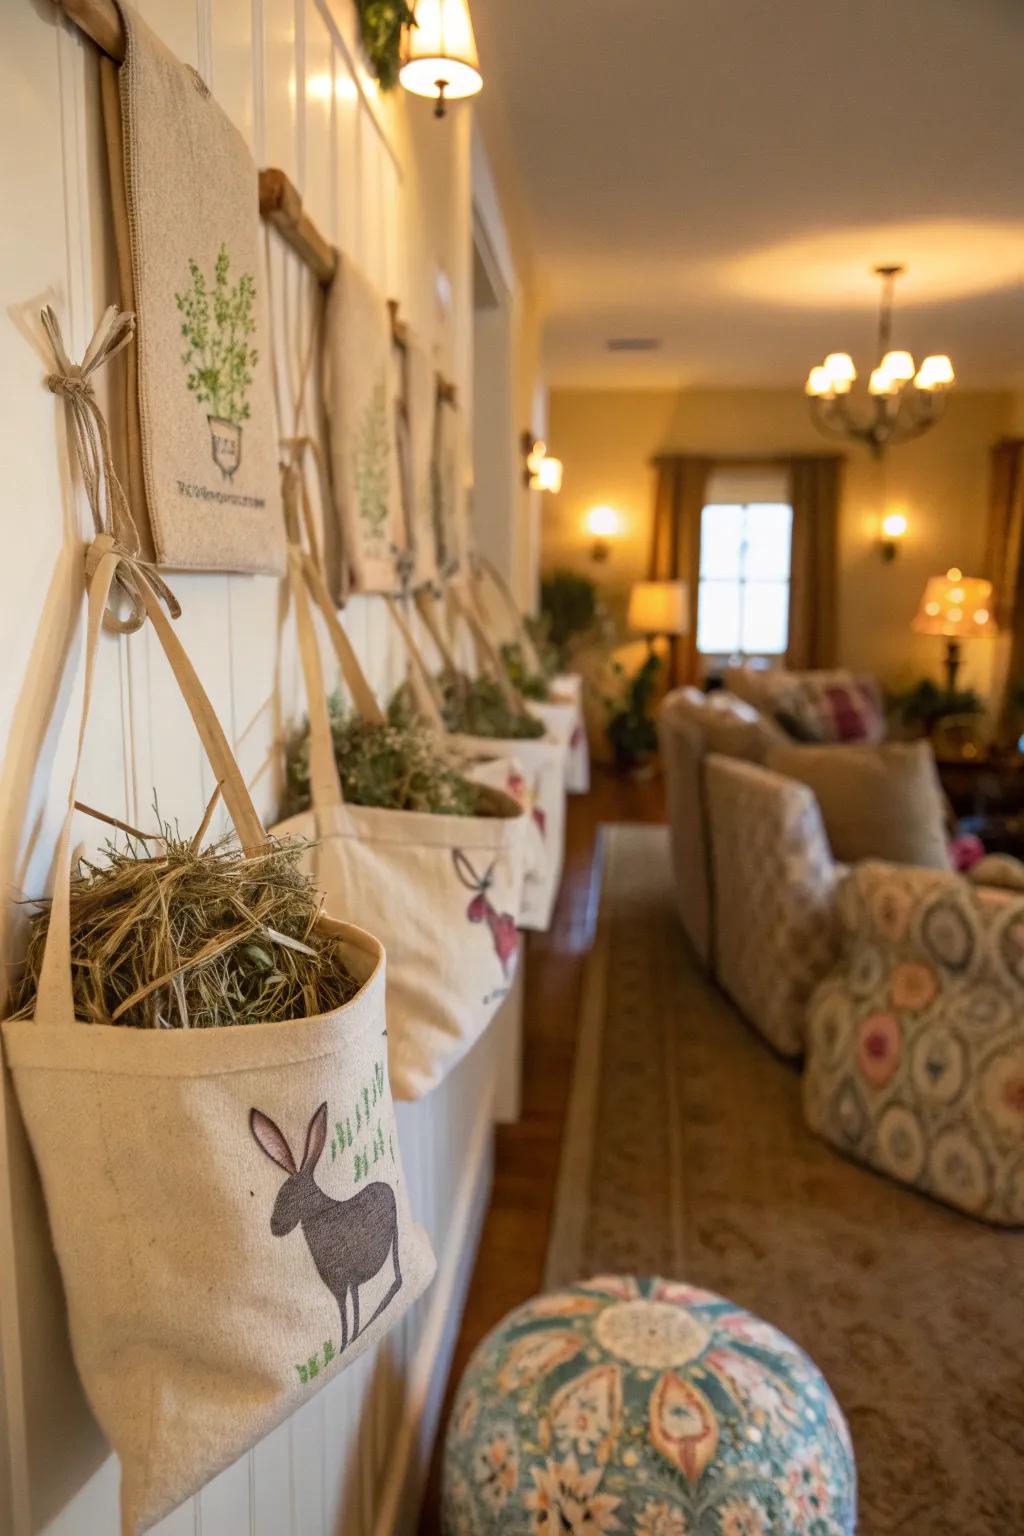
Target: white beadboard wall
[[393, 188]]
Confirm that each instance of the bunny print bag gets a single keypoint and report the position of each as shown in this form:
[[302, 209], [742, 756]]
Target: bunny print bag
[[228, 1206], [443, 892]]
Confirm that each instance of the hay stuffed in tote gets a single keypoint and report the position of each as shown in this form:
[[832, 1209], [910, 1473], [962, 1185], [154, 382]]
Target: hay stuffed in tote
[[529, 764], [441, 889], [227, 1203]]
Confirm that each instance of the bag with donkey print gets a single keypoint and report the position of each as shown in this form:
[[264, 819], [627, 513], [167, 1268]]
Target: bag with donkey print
[[442, 891], [201, 443], [227, 1205], [531, 770]]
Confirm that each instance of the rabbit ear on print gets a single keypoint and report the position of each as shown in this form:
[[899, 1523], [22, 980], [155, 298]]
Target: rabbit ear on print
[[272, 1140], [316, 1139]]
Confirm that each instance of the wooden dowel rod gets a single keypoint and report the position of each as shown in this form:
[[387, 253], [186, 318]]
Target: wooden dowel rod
[[399, 329], [281, 206]]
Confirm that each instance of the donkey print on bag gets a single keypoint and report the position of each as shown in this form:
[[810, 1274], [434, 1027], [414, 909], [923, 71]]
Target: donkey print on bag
[[481, 910], [350, 1240]]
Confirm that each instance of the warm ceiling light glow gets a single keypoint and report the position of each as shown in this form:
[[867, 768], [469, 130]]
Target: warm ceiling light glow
[[899, 365], [820, 384], [830, 269], [440, 57], [894, 526], [603, 522], [882, 383], [548, 476], [840, 369]]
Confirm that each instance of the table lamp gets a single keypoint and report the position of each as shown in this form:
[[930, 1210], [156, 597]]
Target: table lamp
[[659, 608], [960, 608]]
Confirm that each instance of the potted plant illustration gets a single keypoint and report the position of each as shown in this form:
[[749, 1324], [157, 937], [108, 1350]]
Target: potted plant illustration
[[217, 323]]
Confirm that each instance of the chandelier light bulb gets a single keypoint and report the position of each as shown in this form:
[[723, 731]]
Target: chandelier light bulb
[[820, 384], [899, 366], [882, 382], [840, 369], [935, 372]]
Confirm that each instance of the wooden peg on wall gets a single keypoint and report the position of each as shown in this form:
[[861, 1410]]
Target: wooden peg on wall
[[281, 206], [447, 391], [399, 329]]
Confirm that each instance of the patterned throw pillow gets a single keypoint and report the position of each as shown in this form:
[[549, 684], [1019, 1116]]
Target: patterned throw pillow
[[830, 707], [648, 1407]]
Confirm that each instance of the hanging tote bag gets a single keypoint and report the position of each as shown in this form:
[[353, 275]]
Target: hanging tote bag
[[227, 1205], [362, 385], [562, 713], [201, 461], [534, 769], [442, 891]]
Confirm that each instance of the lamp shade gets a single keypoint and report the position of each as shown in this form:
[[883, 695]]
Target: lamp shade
[[659, 608], [956, 605], [439, 53]]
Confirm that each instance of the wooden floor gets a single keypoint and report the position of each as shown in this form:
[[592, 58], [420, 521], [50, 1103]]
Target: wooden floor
[[511, 1259]]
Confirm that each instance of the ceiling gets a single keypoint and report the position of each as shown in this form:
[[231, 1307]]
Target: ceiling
[[722, 174]]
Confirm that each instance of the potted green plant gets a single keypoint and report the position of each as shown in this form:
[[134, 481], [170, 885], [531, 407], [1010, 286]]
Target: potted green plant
[[923, 708], [630, 726], [381, 23], [217, 324], [570, 611]]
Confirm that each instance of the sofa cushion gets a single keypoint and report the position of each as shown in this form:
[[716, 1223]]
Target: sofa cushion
[[880, 802], [731, 726], [821, 706]]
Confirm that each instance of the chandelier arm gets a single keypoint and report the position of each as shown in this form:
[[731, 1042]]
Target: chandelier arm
[[833, 420]]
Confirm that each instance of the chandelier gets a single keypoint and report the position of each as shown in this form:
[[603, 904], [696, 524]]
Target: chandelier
[[906, 400]]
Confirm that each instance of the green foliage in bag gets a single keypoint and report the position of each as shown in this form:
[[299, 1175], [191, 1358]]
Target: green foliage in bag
[[477, 707], [395, 766], [380, 29]]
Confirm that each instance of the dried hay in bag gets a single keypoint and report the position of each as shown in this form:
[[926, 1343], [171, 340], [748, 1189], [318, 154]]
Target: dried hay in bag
[[227, 1205], [201, 458], [443, 891]]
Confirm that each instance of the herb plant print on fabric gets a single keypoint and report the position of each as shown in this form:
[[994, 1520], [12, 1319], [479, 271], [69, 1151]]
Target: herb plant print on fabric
[[646, 1407], [217, 323]]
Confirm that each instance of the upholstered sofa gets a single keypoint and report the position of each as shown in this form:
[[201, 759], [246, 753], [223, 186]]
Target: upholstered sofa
[[915, 1038]]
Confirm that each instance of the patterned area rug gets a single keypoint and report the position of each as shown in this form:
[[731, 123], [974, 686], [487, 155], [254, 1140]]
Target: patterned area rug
[[686, 1155]]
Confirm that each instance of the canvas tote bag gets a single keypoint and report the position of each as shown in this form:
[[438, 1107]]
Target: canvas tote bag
[[532, 771], [227, 1205], [362, 384], [563, 712], [202, 465], [442, 892]]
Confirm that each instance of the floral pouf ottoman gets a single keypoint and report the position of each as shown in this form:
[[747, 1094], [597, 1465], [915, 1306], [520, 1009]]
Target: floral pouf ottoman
[[648, 1407]]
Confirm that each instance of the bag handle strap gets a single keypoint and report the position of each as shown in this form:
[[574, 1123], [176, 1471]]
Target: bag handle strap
[[481, 566], [426, 607], [104, 559], [488, 660], [425, 694]]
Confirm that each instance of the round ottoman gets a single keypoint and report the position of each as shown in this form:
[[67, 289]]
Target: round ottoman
[[649, 1407]]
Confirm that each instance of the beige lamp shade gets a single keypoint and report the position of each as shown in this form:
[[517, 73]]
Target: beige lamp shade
[[439, 53], [957, 606], [659, 608]]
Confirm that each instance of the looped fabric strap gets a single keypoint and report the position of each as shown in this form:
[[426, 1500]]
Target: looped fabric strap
[[111, 513], [481, 567], [103, 561], [488, 659]]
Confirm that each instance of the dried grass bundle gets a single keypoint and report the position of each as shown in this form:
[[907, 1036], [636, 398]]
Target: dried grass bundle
[[477, 707], [194, 937], [396, 766]]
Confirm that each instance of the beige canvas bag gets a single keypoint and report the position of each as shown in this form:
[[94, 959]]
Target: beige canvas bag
[[442, 892], [228, 1206], [202, 465], [420, 405], [362, 385], [531, 771], [563, 712]]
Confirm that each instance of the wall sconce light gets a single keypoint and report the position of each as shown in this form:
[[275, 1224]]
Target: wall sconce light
[[439, 57], [894, 527], [541, 471], [603, 524]]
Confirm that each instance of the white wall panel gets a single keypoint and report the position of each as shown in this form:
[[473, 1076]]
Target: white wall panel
[[392, 189]]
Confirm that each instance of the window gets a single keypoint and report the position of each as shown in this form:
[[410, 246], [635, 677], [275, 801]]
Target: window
[[743, 599]]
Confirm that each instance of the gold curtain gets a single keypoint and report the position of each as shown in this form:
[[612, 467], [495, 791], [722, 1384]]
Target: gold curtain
[[675, 547], [814, 492], [1004, 562]]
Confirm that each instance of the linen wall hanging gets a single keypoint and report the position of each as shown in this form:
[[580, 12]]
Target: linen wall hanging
[[442, 891], [201, 445], [422, 405], [228, 1205], [362, 383], [448, 500]]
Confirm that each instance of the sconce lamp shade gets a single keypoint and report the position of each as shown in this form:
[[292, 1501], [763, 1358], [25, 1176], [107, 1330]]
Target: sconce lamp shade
[[659, 608], [956, 606], [439, 54]]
